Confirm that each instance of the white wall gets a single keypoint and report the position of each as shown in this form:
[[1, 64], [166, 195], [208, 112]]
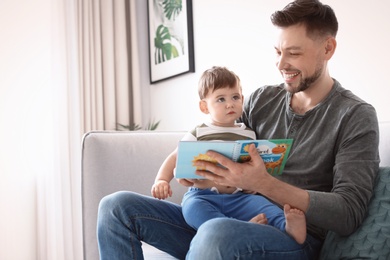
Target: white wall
[[236, 34]]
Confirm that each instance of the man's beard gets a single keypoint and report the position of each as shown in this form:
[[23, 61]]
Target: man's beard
[[305, 82]]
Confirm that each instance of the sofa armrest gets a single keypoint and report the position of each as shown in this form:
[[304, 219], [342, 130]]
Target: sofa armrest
[[384, 143], [114, 161]]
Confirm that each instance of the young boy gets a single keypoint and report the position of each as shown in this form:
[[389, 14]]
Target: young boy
[[221, 97]]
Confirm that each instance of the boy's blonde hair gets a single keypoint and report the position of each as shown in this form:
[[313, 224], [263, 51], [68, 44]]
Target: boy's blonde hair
[[216, 78]]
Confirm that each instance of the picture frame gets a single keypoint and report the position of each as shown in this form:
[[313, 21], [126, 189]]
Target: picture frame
[[171, 43]]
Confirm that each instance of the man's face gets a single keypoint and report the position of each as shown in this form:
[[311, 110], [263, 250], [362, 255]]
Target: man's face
[[299, 58]]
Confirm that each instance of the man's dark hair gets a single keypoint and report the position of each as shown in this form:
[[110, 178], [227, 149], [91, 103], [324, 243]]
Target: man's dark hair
[[319, 19]]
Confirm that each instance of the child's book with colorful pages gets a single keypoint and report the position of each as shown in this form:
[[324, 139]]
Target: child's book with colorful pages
[[273, 152]]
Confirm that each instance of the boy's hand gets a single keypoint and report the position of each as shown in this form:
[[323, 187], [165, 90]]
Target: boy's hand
[[161, 190]]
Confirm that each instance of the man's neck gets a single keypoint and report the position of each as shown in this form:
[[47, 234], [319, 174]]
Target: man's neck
[[304, 101]]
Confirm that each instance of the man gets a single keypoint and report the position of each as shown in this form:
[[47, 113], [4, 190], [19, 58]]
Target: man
[[329, 174]]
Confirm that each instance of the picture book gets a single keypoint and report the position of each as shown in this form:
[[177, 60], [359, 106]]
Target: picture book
[[273, 152]]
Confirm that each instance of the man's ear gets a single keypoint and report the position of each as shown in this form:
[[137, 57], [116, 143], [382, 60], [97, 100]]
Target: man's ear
[[330, 47], [203, 106]]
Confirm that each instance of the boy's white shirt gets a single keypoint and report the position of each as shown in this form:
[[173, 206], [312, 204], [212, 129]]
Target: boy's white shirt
[[211, 129]]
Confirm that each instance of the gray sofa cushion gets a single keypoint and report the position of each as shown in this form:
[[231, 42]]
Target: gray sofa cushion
[[372, 239]]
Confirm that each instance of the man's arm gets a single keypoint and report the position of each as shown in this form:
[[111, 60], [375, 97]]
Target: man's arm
[[343, 209], [356, 165]]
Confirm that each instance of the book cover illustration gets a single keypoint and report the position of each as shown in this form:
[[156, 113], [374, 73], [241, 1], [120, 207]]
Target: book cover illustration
[[273, 152]]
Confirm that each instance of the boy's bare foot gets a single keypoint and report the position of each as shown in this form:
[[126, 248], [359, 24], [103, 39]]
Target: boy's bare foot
[[295, 223], [259, 219]]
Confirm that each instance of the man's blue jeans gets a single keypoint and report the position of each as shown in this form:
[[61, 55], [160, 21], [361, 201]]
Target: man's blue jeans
[[125, 219]]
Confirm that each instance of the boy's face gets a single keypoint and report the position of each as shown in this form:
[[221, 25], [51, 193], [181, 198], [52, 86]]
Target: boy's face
[[224, 106]]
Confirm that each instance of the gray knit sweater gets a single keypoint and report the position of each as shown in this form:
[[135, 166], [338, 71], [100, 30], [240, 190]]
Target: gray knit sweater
[[334, 154]]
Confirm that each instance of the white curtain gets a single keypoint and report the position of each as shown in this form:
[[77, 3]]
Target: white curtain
[[59, 232], [105, 63], [90, 90], [40, 133]]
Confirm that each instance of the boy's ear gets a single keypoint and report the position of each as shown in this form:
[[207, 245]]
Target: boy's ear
[[203, 106]]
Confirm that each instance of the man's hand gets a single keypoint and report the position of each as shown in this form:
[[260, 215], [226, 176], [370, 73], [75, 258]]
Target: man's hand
[[161, 190], [251, 175]]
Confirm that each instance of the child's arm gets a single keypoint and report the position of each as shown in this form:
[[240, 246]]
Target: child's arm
[[161, 188]]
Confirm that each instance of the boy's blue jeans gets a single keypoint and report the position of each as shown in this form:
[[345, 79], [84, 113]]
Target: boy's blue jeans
[[125, 219], [199, 205]]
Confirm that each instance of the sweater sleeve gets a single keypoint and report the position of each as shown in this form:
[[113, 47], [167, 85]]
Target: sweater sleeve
[[356, 165]]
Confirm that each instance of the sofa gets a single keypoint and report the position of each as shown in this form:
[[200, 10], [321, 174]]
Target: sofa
[[114, 161]]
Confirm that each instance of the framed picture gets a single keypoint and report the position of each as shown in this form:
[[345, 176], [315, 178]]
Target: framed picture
[[171, 43]]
